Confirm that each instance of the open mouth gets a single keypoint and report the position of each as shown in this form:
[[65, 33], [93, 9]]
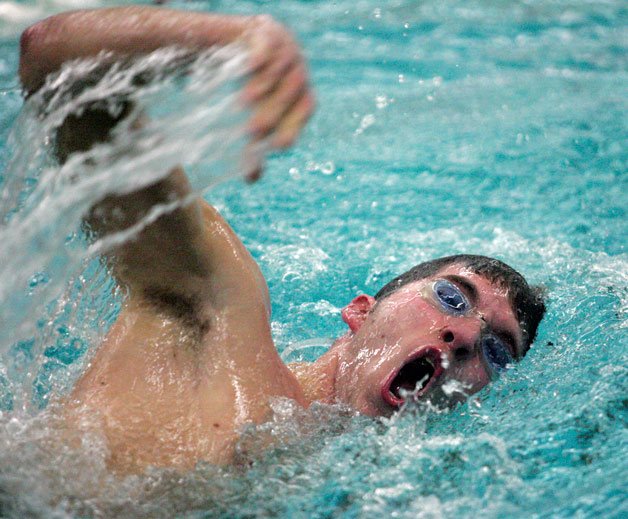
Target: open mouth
[[413, 378]]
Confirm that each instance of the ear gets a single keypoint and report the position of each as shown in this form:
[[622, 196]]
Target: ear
[[354, 314]]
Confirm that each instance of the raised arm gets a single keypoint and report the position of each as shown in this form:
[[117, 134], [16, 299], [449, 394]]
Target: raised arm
[[176, 255], [191, 357]]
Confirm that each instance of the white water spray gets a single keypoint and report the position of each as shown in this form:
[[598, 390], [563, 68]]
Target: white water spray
[[191, 115]]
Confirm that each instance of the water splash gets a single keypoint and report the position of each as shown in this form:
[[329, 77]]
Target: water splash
[[49, 273], [538, 120]]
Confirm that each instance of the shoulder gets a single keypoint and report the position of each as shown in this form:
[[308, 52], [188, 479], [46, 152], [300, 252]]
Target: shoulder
[[238, 278]]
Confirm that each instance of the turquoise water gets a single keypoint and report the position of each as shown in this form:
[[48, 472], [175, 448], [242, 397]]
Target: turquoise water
[[442, 127]]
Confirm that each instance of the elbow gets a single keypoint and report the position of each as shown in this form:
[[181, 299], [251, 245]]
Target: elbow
[[29, 37], [33, 43]]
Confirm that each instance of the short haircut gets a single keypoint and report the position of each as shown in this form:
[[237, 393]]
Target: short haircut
[[525, 300]]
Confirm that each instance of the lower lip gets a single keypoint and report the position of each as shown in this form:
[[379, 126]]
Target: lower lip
[[433, 355]]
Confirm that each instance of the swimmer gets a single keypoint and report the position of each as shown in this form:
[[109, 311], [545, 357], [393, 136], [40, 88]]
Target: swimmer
[[191, 359]]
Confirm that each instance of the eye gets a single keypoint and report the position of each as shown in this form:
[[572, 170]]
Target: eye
[[496, 353], [451, 297]]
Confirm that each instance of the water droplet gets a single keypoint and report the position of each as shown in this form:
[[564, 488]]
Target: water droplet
[[381, 101], [327, 168], [367, 121]]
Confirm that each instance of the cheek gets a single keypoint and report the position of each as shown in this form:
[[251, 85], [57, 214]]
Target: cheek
[[407, 322]]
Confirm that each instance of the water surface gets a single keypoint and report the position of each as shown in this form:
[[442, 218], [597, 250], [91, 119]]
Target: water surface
[[442, 127]]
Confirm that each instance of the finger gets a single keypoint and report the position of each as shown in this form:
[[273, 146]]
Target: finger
[[271, 110], [253, 176], [290, 126], [253, 160], [261, 51], [264, 37], [265, 80]]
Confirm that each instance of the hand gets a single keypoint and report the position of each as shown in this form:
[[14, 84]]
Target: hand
[[279, 91]]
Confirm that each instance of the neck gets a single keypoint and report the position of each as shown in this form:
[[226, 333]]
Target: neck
[[318, 379]]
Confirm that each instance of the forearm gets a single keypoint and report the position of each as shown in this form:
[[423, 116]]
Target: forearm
[[277, 89], [46, 45]]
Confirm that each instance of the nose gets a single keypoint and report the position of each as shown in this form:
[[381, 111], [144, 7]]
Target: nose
[[459, 341]]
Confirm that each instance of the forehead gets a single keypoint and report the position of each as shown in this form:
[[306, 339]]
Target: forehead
[[491, 300]]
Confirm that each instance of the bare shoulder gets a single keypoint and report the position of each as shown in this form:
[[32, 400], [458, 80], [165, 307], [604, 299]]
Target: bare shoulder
[[240, 272], [202, 280]]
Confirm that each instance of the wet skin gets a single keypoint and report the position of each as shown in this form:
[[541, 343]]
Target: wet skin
[[411, 324], [191, 359]]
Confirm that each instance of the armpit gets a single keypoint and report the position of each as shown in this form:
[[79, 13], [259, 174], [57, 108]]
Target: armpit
[[186, 309]]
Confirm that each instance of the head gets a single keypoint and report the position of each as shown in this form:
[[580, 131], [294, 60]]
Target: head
[[438, 332]]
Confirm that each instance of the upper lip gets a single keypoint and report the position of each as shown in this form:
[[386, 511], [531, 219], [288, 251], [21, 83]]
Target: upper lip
[[424, 362]]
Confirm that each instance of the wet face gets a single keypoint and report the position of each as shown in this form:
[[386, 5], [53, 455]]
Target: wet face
[[438, 339]]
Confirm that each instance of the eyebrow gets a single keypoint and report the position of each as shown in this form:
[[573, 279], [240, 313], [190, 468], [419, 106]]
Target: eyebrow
[[472, 293], [469, 288]]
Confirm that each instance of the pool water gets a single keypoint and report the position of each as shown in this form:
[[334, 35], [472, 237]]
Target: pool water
[[442, 127]]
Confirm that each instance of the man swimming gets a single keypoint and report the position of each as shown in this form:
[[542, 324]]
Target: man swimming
[[191, 359]]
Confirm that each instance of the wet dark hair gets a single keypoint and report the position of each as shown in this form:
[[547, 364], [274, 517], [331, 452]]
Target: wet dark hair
[[526, 301]]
